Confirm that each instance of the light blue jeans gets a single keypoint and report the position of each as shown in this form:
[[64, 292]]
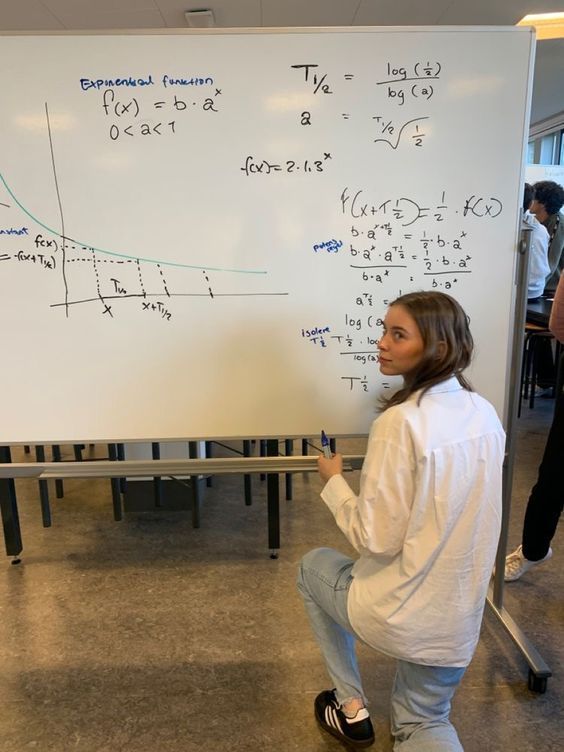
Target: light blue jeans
[[421, 695]]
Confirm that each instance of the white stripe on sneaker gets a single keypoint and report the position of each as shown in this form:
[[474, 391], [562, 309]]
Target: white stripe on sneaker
[[332, 719]]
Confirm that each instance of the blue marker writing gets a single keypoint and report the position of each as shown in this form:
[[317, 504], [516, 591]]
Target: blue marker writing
[[325, 445]]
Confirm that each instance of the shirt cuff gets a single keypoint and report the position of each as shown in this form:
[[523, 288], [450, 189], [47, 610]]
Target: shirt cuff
[[336, 492]]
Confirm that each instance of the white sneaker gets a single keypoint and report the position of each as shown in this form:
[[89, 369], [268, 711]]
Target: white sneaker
[[516, 565]]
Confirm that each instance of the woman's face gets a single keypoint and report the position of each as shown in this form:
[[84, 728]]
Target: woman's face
[[401, 345]]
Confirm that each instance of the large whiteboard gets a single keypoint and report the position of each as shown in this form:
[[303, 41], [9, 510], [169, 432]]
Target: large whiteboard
[[199, 232]]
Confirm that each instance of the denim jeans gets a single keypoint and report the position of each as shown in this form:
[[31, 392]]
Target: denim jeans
[[421, 696]]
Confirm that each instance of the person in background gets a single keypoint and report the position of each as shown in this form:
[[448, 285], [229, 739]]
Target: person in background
[[546, 205], [425, 525], [548, 200], [539, 269], [546, 500]]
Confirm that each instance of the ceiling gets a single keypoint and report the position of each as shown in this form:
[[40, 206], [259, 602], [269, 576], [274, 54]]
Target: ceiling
[[142, 14], [55, 15]]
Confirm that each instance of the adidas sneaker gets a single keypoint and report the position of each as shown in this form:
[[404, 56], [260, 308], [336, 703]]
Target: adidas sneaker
[[356, 733]]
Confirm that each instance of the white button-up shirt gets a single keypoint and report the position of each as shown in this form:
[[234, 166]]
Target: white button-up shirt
[[426, 525], [539, 268]]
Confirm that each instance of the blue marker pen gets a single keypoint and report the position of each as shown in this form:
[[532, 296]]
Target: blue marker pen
[[325, 445]]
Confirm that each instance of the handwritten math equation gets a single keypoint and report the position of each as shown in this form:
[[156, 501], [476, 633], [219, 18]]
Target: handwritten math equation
[[393, 243], [141, 107], [254, 166], [39, 251], [156, 106], [383, 243], [41, 260], [399, 84]]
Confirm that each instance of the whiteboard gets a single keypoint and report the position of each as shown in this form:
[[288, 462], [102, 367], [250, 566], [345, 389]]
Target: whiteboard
[[200, 232]]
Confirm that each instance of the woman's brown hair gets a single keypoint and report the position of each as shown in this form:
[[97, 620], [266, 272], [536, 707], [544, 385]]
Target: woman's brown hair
[[447, 343]]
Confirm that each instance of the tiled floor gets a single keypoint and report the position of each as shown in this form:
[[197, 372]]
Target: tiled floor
[[150, 636]]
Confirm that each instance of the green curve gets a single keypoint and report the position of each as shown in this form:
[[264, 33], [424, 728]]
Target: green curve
[[123, 255]]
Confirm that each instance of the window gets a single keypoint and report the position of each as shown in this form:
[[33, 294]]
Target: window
[[547, 149]]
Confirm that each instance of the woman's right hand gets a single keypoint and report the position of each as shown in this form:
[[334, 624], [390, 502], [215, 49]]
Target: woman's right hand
[[329, 467]]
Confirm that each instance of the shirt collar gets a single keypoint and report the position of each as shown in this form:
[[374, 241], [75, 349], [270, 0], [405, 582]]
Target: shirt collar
[[449, 385]]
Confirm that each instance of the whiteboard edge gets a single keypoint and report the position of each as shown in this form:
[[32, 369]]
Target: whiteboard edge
[[272, 30]]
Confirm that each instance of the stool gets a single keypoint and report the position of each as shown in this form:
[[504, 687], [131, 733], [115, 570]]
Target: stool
[[535, 337]]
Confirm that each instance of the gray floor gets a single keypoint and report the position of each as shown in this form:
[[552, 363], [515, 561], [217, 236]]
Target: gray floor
[[150, 636]]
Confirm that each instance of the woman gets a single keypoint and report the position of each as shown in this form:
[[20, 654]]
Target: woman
[[425, 525], [546, 500]]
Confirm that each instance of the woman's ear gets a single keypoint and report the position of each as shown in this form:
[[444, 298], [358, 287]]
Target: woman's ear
[[441, 350]]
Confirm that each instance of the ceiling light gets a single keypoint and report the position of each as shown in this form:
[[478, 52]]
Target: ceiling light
[[547, 25]]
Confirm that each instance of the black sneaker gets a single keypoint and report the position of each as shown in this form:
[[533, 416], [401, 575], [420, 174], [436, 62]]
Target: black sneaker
[[356, 734]]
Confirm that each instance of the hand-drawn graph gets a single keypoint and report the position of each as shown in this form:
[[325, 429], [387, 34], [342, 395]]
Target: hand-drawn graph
[[118, 276]]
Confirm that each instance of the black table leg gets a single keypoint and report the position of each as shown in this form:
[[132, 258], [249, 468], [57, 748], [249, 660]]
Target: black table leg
[[262, 453], [43, 490], [209, 454], [59, 490], [195, 486], [116, 495], [273, 502], [9, 511], [289, 451], [157, 482], [247, 477], [120, 449]]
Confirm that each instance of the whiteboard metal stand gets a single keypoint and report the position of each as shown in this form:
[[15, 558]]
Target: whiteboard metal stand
[[539, 672]]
